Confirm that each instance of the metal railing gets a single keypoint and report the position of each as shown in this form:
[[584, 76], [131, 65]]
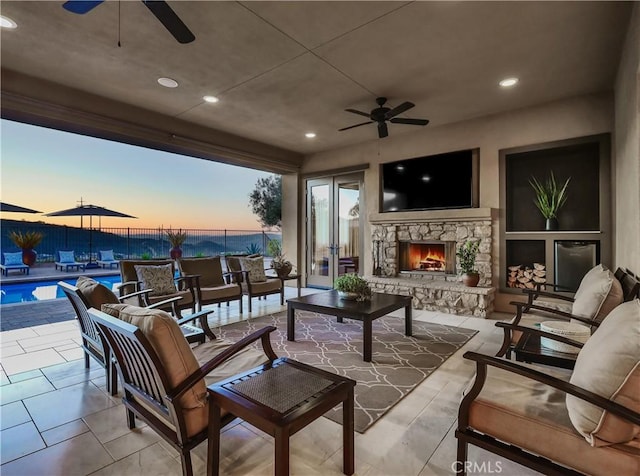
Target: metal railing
[[134, 243]]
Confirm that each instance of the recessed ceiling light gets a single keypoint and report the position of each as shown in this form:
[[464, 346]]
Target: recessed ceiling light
[[6, 22], [168, 82], [508, 82], [310, 135], [426, 178], [211, 99], [400, 168]]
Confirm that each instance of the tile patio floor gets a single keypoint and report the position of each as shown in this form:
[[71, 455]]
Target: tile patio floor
[[57, 418]]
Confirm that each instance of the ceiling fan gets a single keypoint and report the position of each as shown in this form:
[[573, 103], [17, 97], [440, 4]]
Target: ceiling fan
[[160, 9], [382, 114]]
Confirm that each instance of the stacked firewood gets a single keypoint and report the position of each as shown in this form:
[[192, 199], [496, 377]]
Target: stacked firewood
[[524, 277]]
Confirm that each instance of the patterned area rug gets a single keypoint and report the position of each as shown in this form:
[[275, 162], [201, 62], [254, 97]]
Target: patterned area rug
[[399, 363]]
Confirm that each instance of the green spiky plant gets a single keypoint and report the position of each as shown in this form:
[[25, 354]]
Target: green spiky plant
[[26, 240], [549, 197], [176, 238]]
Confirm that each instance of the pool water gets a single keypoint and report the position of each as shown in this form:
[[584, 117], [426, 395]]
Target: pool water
[[44, 290]]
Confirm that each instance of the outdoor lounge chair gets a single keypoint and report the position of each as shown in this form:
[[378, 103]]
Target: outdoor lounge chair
[[90, 293], [587, 425], [106, 258], [159, 276], [165, 380], [66, 260], [13, 261], [211, 284], [249, 271]]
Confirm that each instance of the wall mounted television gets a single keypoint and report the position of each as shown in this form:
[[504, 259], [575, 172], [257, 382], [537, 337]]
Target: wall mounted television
[[433, 182]]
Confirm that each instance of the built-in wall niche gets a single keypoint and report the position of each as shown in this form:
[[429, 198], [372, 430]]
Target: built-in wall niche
[[525, 263], [579, 162]]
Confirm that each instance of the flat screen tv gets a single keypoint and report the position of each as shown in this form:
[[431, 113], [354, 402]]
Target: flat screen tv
[[430, 183]]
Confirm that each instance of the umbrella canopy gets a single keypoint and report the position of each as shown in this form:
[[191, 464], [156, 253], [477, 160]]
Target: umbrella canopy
[[8, 207], [90, 211]]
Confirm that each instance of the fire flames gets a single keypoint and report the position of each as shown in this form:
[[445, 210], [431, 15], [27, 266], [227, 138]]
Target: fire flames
[[427, 257]]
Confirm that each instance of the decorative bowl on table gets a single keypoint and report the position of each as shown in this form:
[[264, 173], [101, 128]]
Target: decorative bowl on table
[[572, 331]]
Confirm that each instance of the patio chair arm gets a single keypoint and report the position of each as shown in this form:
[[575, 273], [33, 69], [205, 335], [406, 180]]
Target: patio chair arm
[[226, 354], [159, 304], [530, 330], [142, 293], [536, 293], [567, 315], [135, 284], [484, 361], [204, 323]]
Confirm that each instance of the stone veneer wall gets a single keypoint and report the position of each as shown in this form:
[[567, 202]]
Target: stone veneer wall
[[459, 231]]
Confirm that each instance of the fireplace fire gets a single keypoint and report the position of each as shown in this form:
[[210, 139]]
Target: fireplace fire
[[420, 256]]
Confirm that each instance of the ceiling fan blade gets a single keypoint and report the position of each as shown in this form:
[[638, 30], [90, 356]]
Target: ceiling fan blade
[[357, 125], [414, 122], [399, 109], [170, 20], [80, 6], [382, 130], [365, 114]]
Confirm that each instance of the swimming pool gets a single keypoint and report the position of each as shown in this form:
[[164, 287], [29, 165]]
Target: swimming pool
[[43, 290]]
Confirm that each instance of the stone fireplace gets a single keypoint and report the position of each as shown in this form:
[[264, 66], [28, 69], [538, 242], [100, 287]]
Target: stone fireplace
[[427, 256], [415, 253]]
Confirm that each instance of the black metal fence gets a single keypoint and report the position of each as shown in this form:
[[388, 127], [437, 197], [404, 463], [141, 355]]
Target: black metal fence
[[143, 243]]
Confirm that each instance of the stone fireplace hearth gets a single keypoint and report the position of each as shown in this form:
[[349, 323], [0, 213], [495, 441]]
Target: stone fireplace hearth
[[416, 255]]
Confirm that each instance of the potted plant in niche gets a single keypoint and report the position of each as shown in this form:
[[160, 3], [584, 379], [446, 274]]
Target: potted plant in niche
[[351, 286], [176, 238], [27, 241], [279, 263], [549, 199], [467, 258]]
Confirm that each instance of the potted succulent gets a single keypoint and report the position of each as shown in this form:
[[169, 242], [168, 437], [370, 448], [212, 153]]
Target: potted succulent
[[27, 241], [176, 238], [467, 258], [279, 263], [549, 199], [351, 286]]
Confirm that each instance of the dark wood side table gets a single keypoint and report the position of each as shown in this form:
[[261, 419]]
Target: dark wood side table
[[368, 311], [281, 399], [529, 349], [297, 277]]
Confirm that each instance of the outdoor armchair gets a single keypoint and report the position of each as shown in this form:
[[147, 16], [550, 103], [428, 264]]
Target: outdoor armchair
[[212, 286], [89, 293], [160, 277], [249, 271], [165, 380], [585, 423]]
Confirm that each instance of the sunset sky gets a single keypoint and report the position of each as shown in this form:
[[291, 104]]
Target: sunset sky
[[50, 170]]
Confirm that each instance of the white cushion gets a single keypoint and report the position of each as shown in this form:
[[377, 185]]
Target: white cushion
[[255, 267], [12, 259], [609, 365], [159, 278], [598, 294], [107, 255], [67, 256]]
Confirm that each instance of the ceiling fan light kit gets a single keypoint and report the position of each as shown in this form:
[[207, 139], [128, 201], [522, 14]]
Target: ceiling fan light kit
[[382, 114]]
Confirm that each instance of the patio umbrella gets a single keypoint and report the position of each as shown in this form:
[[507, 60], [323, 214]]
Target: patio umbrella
[[8, 207], [90, 211]]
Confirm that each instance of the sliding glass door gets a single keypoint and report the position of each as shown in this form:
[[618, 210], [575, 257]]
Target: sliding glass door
[[334, 240]]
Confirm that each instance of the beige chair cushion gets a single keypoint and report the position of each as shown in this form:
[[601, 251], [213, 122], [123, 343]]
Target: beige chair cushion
[[255, 267], [271, 285], [174, 352], [599, 293], [95, 293], [220, 292], [609, 365], [209, 270], [533, 416], [159, 278]]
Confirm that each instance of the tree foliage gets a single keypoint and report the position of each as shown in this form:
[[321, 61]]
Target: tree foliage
[[266, 201]]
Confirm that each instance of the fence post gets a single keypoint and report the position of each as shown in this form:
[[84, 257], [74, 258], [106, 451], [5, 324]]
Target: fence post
[[66, 237], [128, 243], [225, 241]]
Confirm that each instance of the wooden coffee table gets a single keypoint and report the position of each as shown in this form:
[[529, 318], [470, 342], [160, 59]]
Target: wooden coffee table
[[367, 311], [529, 349], [280, 399]]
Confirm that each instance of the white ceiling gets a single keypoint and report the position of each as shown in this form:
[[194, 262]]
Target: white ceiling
[[281, 69]]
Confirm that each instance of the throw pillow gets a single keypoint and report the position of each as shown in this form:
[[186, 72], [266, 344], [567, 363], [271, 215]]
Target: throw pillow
[[158, 278], [95, 293], [255, 267], [12, 259], [609, 365], [598, 294], [107, 255], [67, 256]]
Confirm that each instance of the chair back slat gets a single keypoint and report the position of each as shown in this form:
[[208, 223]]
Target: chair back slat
[[141, 369], [80, 306]]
